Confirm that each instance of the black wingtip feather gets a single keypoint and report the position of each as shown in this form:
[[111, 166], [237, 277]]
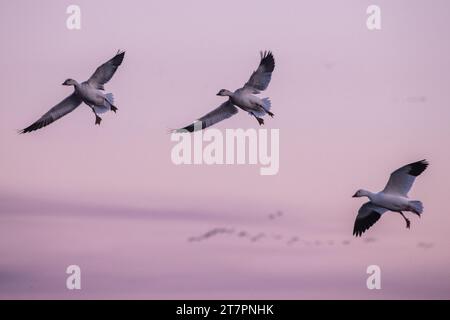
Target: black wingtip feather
[[267, 61], [31, 128], [418, 167], [362, 225], [41, 123], [192, 127], [189, 128], [118, 58]]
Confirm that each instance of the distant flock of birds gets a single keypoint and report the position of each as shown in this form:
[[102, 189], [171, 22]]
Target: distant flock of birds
[[289, 240], [393, 198]]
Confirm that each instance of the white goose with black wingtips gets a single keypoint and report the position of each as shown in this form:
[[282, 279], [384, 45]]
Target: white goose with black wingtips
[[91, 92], [243, 98], [393, 198]]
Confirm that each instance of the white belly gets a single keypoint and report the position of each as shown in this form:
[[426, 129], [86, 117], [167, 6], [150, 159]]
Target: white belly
[[92, 96], [391, 202], [247, 102]]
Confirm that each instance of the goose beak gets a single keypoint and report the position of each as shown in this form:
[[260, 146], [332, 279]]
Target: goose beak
[[218, 94], [355, 195], [64, 83]]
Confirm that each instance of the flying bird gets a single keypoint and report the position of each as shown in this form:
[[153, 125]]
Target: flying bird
[[393, 198], [91, 92], [244, 98]]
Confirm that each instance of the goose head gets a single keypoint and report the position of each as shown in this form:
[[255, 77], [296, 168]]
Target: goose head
[[361, 193], [69, 82], [225, 92]]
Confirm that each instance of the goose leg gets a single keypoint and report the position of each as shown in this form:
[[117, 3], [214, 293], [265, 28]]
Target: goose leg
[[114, 108], [408, 223], [98, 120], [260, 120]]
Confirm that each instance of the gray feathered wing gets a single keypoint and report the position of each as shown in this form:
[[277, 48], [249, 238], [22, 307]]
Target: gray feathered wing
[[401, 180], [105, 72], [224, 111], [367, 216], [260, 79], [60, 110]]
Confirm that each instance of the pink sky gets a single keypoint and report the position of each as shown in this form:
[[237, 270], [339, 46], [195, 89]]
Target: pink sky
[[351, 106]]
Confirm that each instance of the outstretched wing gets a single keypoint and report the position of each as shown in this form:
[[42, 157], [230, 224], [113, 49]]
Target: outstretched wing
[[401, 180], [260, 78], [60, 110], [105, 72], [224, 111], [367, 216]]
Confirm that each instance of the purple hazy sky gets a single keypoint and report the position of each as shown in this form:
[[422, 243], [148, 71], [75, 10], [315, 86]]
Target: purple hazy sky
[[351, 105]]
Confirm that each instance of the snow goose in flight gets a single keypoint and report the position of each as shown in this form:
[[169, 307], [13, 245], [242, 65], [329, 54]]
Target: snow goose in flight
[[243, 98], [91, 92], [394, 198]]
